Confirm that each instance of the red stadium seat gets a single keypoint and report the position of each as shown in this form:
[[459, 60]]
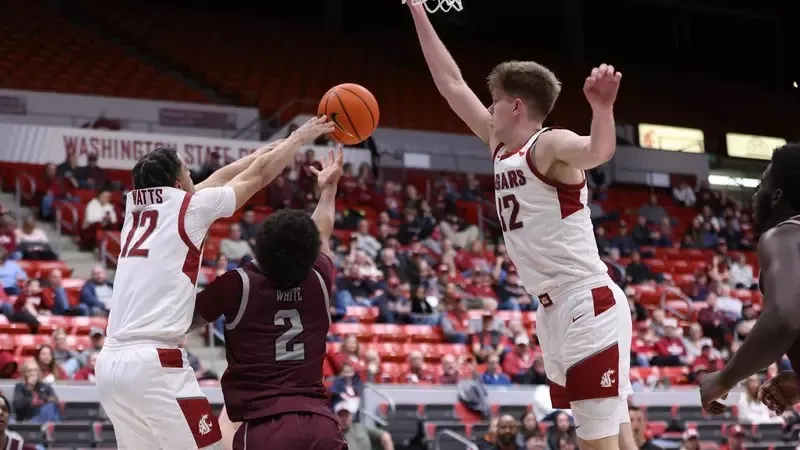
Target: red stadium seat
[[388, 351], [430, 351], [49, 323], [423, 333], [41, 269], [360, 331], [384, 332], [362, 314]]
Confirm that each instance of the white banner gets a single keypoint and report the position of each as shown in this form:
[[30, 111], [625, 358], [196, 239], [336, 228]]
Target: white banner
[[120, 150], [662, 137], [750, 146], [151, 116]]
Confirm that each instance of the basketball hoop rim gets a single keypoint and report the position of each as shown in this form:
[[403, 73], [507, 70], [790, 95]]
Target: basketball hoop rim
[[442, 5]]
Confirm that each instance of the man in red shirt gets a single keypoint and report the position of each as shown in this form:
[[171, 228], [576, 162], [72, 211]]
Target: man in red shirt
[[520, 359], [670, 350], [32, 302], [87, 373]]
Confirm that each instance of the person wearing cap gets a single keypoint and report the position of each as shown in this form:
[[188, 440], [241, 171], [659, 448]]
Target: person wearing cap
[[358, 435], [98, 338], [691, 440], [91, 175], [670, 350], [735, 435], [519, 360]]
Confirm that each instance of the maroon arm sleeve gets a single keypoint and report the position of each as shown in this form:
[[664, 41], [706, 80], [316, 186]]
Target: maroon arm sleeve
[[324, 266], [222, 296]]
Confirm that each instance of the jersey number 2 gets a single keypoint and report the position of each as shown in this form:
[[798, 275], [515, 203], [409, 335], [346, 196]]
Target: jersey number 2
[[284, 350], [141, 219], [505, 203]]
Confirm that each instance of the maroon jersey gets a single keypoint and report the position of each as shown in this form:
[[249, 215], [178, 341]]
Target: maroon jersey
[[275, 340]]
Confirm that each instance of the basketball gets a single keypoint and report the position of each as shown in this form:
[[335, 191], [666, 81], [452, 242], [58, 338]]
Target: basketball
[[353, 110]]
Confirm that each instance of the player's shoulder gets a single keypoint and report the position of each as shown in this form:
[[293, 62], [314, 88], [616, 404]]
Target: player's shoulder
[[779, 239]]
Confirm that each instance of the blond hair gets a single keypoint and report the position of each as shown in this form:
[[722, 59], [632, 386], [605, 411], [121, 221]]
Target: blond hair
[[534, 83]]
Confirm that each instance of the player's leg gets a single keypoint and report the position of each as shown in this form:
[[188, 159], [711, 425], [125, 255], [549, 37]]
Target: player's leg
[[597, 350], [115, 381], [550, 334], [178, 412], [228, 429]]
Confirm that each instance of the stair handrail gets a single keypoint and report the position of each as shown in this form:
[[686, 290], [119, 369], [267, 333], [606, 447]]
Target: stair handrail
[[75, 216], [389, 400], [674, 291], [452, 434], [378, 419]]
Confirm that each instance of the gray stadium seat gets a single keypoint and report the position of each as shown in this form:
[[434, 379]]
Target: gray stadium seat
[[74, 434], [32, 433]]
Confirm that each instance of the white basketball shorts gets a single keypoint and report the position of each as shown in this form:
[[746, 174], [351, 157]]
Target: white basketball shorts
[[585, 329], [153, 399]]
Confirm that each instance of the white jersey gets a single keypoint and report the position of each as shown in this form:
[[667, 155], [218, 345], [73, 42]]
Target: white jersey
[[546, 225], [162, 238]]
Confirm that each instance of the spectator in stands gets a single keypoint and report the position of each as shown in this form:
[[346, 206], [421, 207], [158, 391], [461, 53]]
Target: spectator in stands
[[410, 228], [61, 304], [718, 271], [281, 193], [347, 385], [423, 311], [455, 321], [746, 323], [450, 370], [8, 236], [494, 376], [349, 353], [597, 213], [471, 192], [32, 302], [221, 265], [519, 360], [741, 274], [87, 373], [10, 440], [638, 311], [716, 325], [641, 232], [459, 233], [699, 288], [68, 170], [750, 409], [512, 295], [35, 400], [357, 435], [488, 341], [67, 358], [658, 317], [55, 188], [481, 290], [654, 212], [305, 177], [562, 428], [637, 272], [709, 237], [691, 440], [417, 371], [249, 226], [736, 437], [709, 360], [100, 214], [8, 365], [394, 304], [639, 428], [695, 342], [727, 303], [91, 176], [599, 178], [372, 362], [50, 370], [669, 349], [364, 241], [96, 293], [235, 247], [32, 241], [623, 241], [487, 440], [391, 264], [684, 195], [529, 428], [98, 338], [603, 244]]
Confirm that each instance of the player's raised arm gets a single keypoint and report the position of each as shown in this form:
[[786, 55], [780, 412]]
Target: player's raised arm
[[777, 327], [325, 212], [226, 174], [448, 79], [588, 152], [269, 165]]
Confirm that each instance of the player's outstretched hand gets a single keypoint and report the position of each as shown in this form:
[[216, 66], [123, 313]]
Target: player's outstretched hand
[[314, 128], [332, 169], [712, 390], [780, 392], [601, 86]]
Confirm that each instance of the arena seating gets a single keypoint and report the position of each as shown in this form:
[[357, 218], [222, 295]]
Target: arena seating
[[43, 51]]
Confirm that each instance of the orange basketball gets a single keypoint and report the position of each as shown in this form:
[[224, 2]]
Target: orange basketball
[[353, 110]]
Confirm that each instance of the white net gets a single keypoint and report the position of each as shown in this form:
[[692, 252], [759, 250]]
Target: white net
[[438, 5]]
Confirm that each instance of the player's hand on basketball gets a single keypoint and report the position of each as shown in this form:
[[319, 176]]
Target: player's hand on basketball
[[314, 128], [332, 170], [780, 392], [601, 86], [713, 389]]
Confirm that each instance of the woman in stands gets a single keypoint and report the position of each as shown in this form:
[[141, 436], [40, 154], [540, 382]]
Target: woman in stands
[[751, 410], [35, 400], [50, 369]]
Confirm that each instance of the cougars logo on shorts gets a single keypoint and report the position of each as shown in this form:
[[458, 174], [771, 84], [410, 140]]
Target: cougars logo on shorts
[[204, 426], [607, 380]]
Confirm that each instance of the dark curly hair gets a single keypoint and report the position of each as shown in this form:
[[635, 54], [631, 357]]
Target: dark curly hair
[[159, 168], [287, 244], [785, 173]]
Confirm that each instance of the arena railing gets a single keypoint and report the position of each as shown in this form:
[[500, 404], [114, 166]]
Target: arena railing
[[453, 435], [72, 225], [105, 255]]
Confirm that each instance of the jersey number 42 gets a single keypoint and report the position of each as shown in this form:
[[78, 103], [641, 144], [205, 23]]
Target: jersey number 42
[[508, 205]]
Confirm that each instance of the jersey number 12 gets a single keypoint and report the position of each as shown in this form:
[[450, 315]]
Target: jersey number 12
[[504, 204], [141, 219]]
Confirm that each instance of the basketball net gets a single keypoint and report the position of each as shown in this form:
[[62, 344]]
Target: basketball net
[[438, 5]]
